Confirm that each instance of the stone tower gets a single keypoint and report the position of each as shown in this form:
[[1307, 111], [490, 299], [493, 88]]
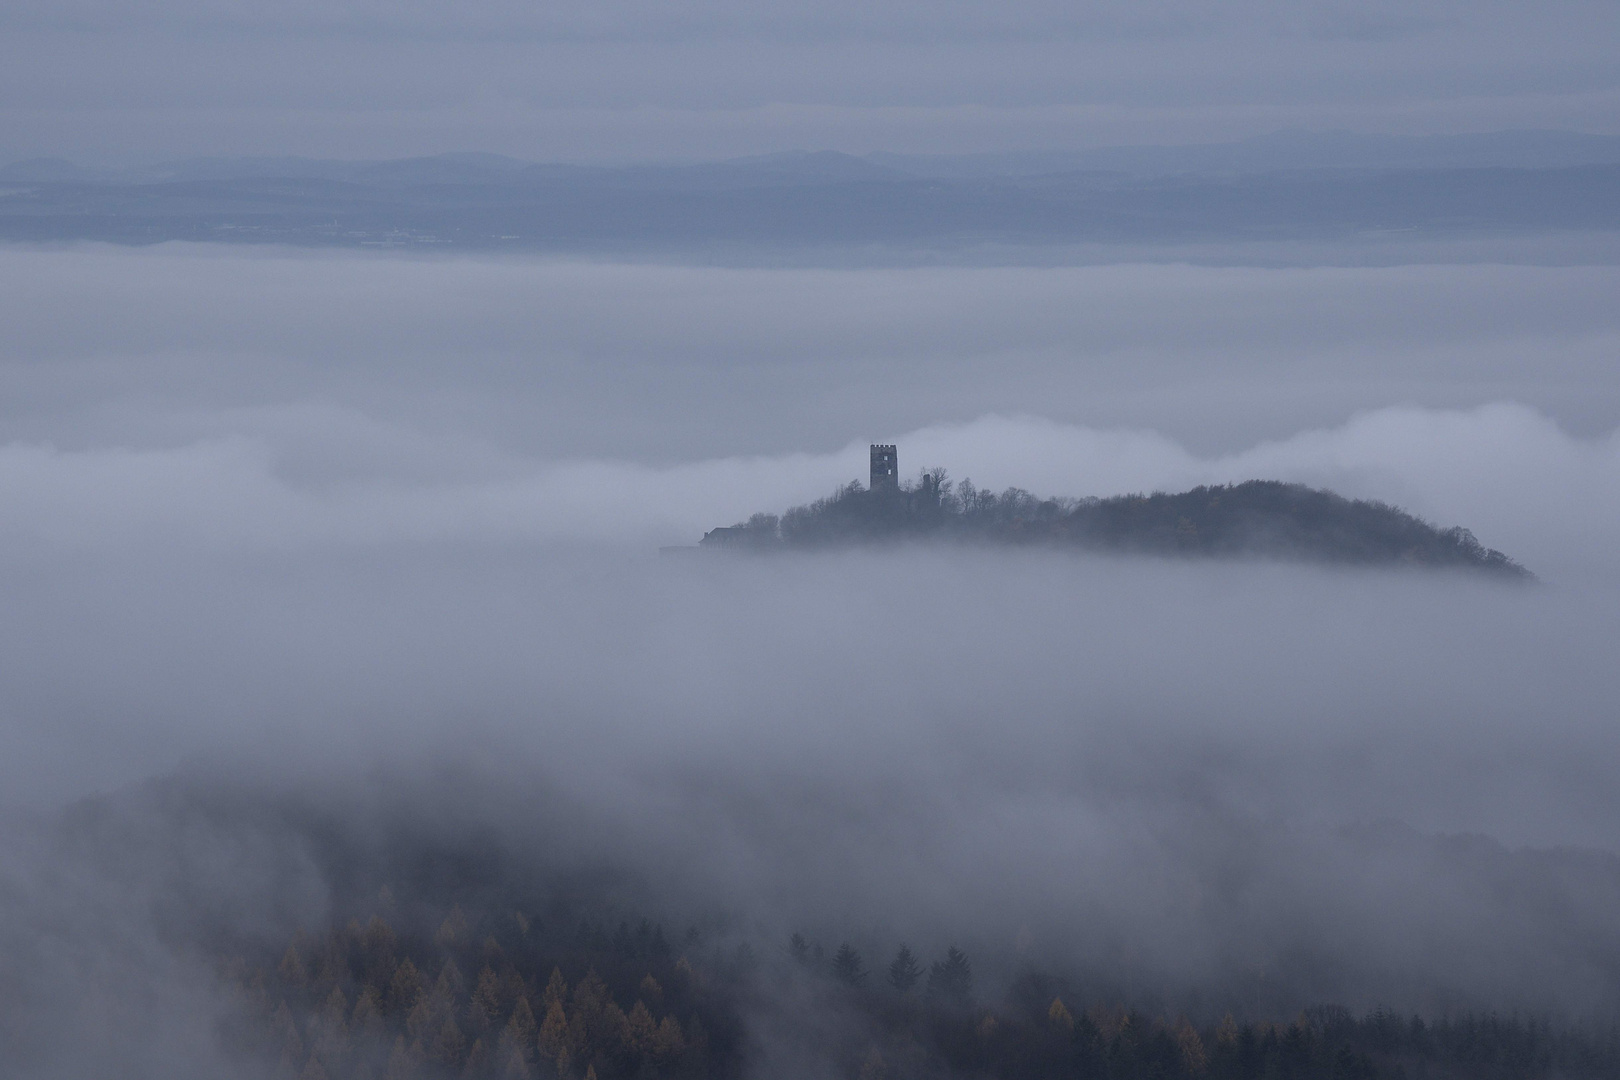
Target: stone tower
[[885, 468]]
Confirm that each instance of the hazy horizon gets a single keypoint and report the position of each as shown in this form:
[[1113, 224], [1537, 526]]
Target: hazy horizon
[[1300, 146]]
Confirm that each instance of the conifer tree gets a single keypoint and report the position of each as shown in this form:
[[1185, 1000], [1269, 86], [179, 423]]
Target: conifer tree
[[400, 1065], [615, 1027], [951, 979], [405, 987], [484, 1005], [448, 1046], [520, 1031], [477, 1059], [336, 1009], [420, 1019], [556, 989], [367, 1021], [640, 1029], [453, 931], [904, 971], [377, 946], [669, 1042], [1193, 1054], [554, 1031], [579, 1032], [587, 1020], [450, 985], [591, 991], [847, 966], [650, 991], [1059, 1016], [333, 1044], [512, 988]]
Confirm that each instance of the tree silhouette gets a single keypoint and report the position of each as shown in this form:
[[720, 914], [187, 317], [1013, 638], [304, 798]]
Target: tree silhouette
[[554, 1030], [449, 1044], [453, 931], [847, 967], [400, 1065], [405, 987], [951, 979], [640, 1029], [520, 1028], [485, 1005], [669, 1042], [904, 971]]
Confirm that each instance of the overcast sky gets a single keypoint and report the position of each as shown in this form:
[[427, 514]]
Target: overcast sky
[[138, 80]]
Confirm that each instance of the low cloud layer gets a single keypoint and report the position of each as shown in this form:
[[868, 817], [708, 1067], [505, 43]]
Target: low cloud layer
[[291, 551], [1228, 787], [1503, 470], [664, 363], [264, 401]]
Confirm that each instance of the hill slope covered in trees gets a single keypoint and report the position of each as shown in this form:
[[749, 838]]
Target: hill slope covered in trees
[[1258, 518], [504, 997], [484, 955]]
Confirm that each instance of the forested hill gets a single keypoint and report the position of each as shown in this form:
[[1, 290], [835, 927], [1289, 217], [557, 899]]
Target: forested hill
[[1258, 518]]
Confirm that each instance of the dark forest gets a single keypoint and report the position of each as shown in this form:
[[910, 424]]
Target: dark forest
[[513, 995]]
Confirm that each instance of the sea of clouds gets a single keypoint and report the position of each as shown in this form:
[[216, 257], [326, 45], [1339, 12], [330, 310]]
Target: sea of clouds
[[197, 396], [378, 537]]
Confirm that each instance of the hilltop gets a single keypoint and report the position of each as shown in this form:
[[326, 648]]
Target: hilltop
[[1257, 518]]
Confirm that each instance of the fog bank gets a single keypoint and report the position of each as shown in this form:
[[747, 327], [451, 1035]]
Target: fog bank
[[667, 363], [1185, 783], [286, 596]]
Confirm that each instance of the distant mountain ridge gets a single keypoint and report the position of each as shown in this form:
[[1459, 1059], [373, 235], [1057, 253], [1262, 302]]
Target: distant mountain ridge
[[1284, 150], [1281, 150], [1259, 190]]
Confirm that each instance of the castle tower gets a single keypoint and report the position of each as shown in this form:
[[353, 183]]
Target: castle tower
[[885, 468]]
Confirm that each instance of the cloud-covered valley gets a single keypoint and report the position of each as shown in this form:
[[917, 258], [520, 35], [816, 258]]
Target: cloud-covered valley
[[305, 558]]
